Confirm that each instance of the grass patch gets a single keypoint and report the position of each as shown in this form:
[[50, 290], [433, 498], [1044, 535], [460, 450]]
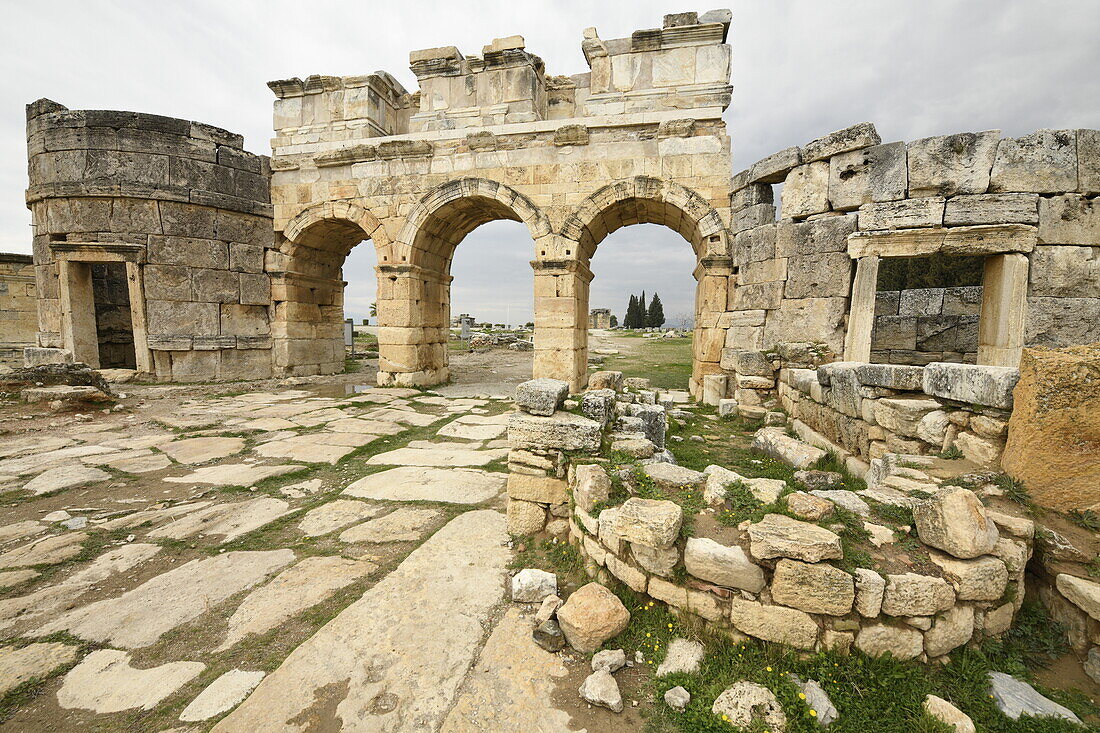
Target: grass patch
[[666, 363]]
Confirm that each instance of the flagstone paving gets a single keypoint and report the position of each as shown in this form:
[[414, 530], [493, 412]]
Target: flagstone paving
[[332, 544]]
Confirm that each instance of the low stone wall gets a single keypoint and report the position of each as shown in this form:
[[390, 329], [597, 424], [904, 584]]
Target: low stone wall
[[18, 309], [923, 325], [776, 579]]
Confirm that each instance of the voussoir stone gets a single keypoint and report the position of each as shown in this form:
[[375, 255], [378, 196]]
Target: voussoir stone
[[651, 522], [955, 521], [591, 616], [541, 396], [723, 565], [777, 535], [813, 587]]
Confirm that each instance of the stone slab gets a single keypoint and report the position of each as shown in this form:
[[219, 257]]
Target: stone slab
[[379, 664], [415, 483]]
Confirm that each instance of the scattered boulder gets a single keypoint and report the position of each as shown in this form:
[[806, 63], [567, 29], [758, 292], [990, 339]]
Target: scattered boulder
[[533, 586], [677, 698], [549, 636], [67, 395], [777, 535], [948, 714], [541, 396], [600, 688], [606, 380], [822, 480], [1016, 698], [549, 607], [809, 507], [848, 500], [609, 660], [670, 476], [683, 655], [954, 520], [746, 702], [591, 616], [775, 443], [817, 700]]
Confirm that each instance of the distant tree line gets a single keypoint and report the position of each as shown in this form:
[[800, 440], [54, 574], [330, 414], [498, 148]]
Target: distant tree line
[[934, 271], [639, 315]]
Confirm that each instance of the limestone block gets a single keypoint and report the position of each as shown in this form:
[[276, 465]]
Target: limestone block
[[541, 489], [829, 234], [962, 301], [952, 164], [216, 286], [981, 579], [762, 271], [1042, 162], [753, 216], [870, 587], [598, 404], [989, 386], [168, 282], [651, 522], [1088, 161], [980, 451], [656, 561], [1066, 272], [541, 396], [590, 616], [886, 302], [774, 623], [825, 275], [909, 213], [1069, 219], [817, 319], [891, 376], [776, 167], [754, 245], [780, 536], [184, 250], [872, 174], [1055, 417], [714, 389], [752, 194], [606, 380], [813, 587], [747, 362], [780, 446], [767, 296], [525, 517], [562, 430], [878, 639], [948, 714], [806, 191], [172, 318], [723, 565], [255, 289], [861, 135], [992, 208], [902, 415], [950, 630], [954, 520], [916, 595], [1056, 322]]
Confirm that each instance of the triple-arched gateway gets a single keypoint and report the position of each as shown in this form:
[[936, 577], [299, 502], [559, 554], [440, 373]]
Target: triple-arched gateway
[[639, 139], [162, 246]]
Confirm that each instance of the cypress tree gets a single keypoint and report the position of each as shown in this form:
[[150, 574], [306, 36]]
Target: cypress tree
[[631, 313], [642, 312], [655, 317]]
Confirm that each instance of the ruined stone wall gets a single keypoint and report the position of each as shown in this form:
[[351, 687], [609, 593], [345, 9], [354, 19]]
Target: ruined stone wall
[[923, 325], [185, 210], [18, 320], [1027, 203], [639, 138]]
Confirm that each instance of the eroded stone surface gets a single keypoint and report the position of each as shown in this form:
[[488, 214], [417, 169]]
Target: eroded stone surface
[[222, 694], [34, 660], [334, 515], [412, 483], [105, 682], [401, 525], [377, 674], [139, 617], [228, 520]]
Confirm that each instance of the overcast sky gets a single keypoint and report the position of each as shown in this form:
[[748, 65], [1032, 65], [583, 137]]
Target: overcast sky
[[801, 68]]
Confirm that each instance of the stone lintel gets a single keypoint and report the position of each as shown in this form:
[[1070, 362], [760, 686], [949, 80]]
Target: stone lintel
[[973, 240]]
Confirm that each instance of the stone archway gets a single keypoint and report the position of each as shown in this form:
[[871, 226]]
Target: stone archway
[[642, 200], [307, 288], [414, 285]]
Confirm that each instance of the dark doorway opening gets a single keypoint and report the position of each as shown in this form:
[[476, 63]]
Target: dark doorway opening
[[114, 324]]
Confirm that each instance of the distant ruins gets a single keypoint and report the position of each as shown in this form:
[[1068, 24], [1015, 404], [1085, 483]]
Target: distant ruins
[[599, 318], [162, 245]]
